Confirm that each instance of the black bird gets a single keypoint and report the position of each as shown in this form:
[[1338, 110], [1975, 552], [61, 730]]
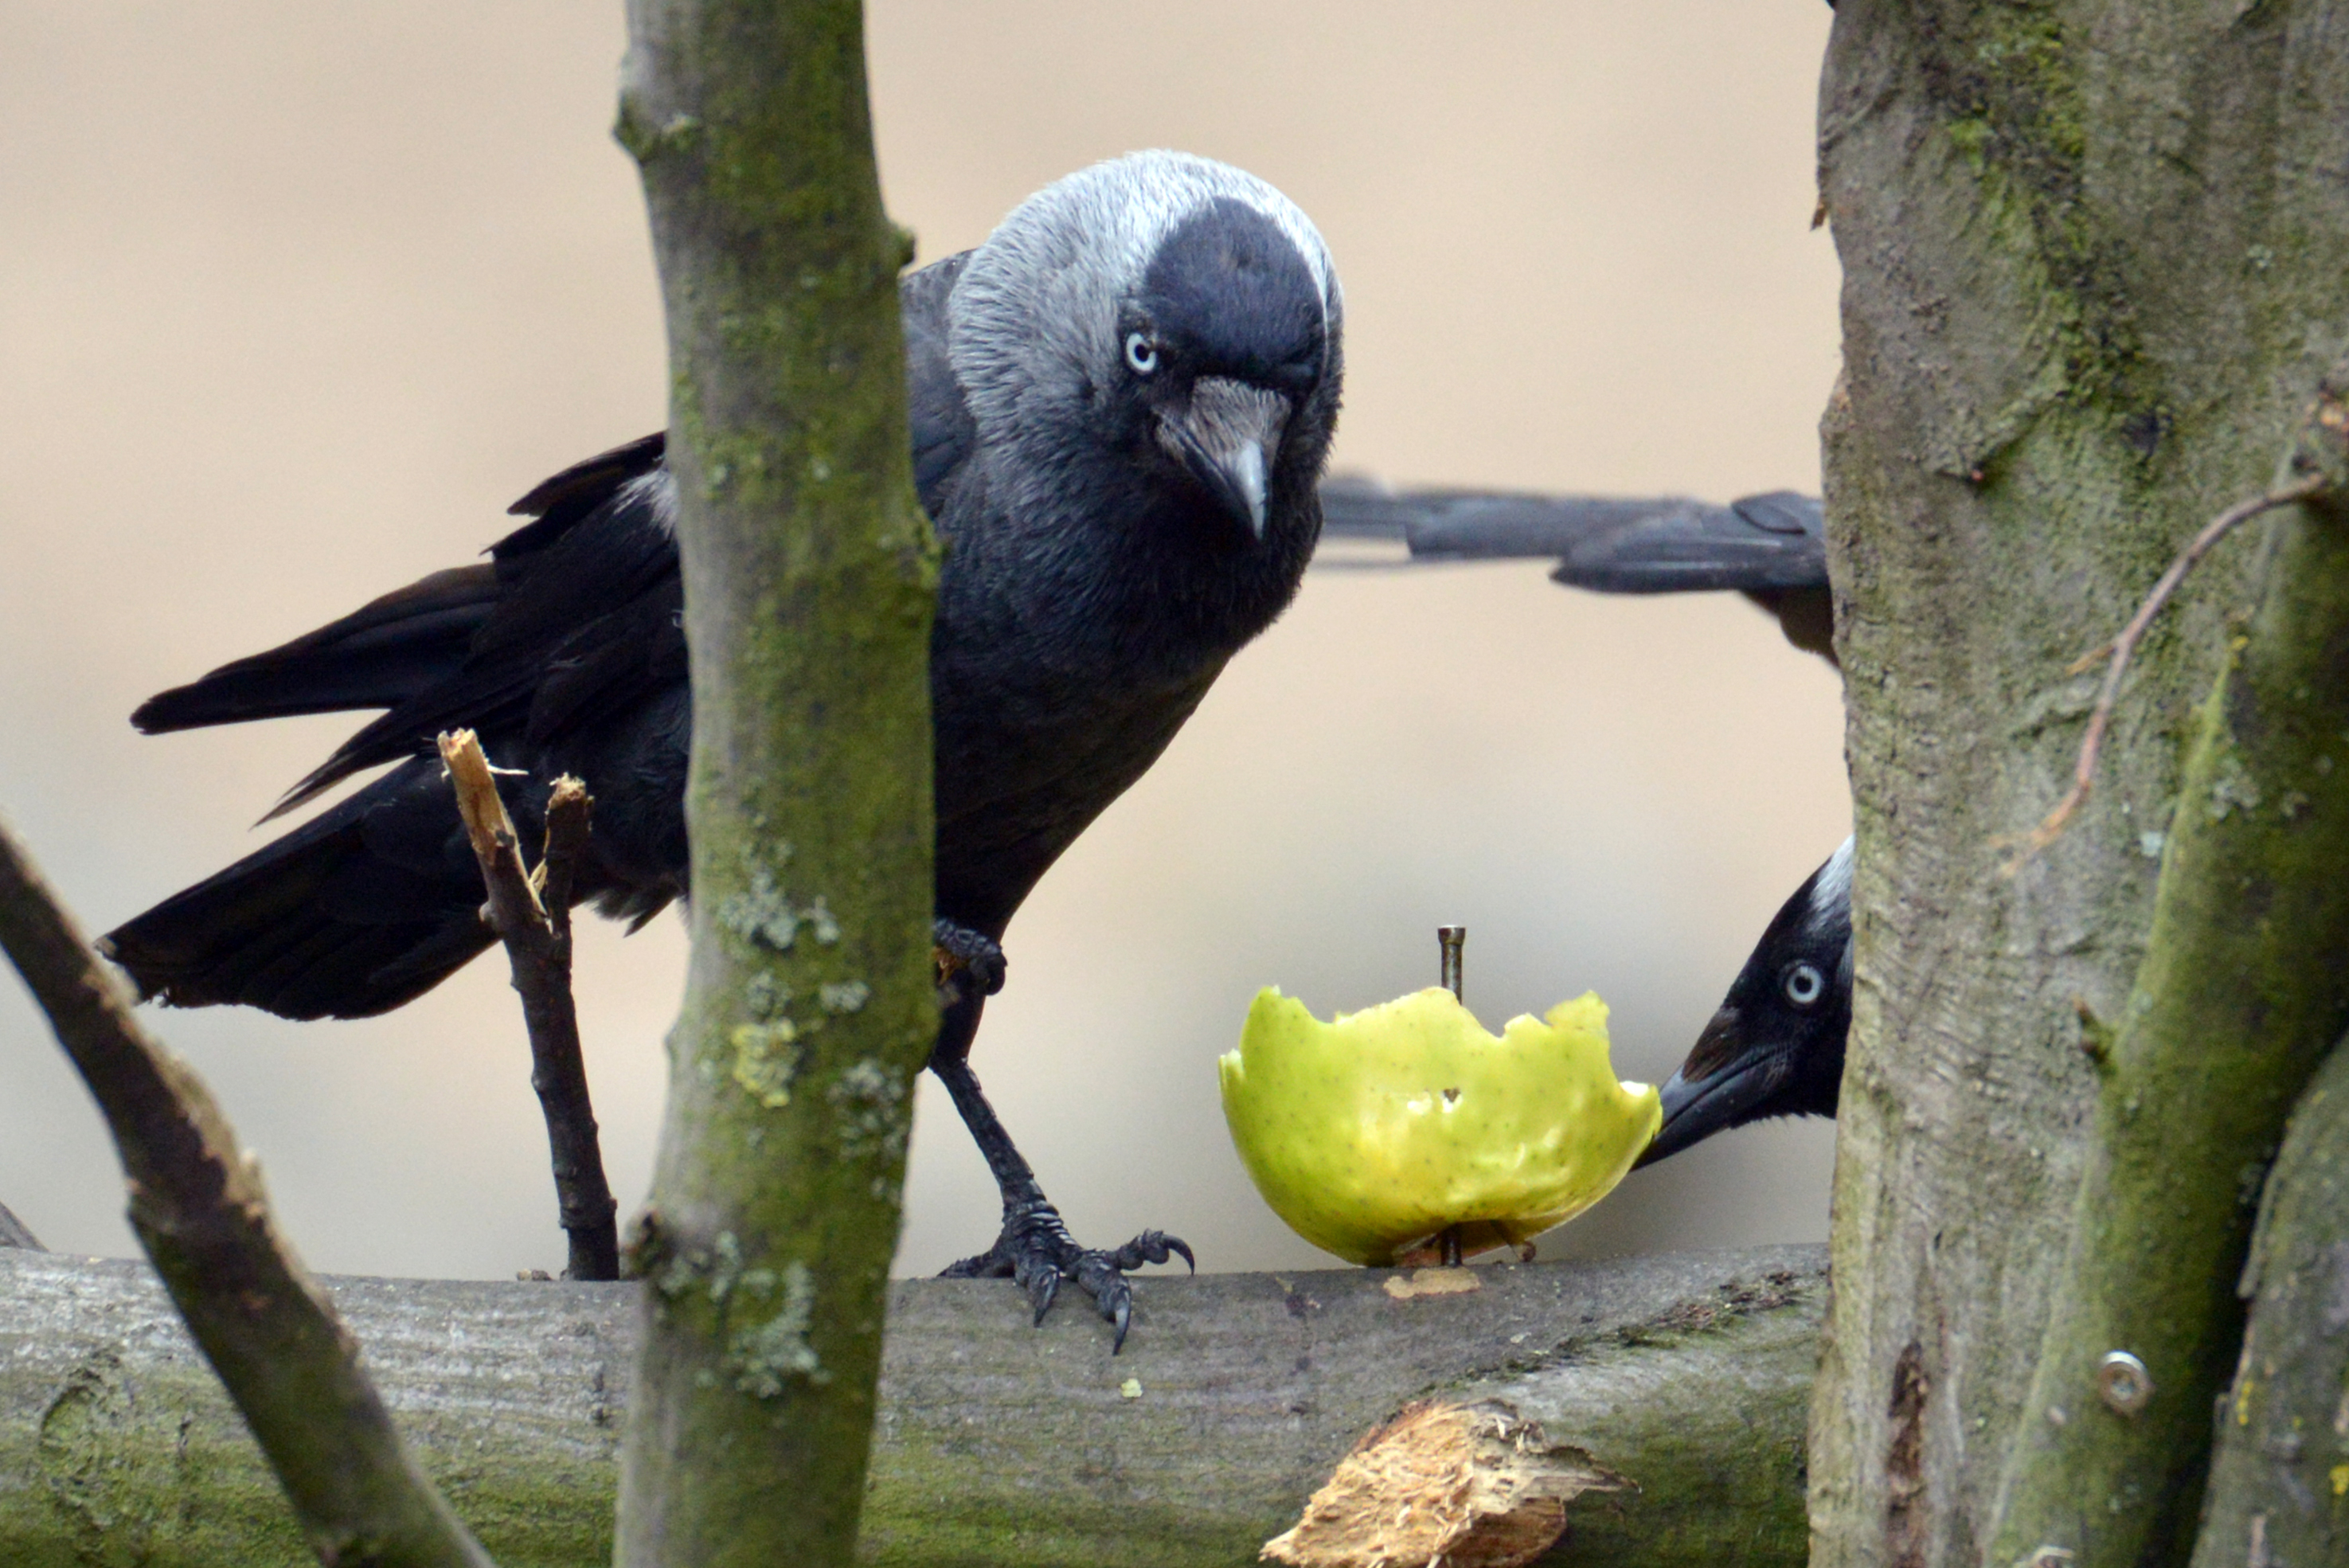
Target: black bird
[[1775, 1046], [1121, 406]]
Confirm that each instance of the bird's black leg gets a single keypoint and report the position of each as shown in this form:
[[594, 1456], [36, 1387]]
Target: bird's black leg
[[1035, 1251]]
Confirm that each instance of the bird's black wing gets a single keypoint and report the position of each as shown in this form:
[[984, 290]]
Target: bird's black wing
[[1659, 546], [1771, 547], [577, 614], [372, 658], [594, 570]]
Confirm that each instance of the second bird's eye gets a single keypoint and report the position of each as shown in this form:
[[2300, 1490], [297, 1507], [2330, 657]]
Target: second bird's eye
[[1803, 984], [1140, 352]]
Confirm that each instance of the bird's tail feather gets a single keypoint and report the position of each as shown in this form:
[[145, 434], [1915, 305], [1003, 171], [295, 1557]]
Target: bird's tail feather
[[364, 908]]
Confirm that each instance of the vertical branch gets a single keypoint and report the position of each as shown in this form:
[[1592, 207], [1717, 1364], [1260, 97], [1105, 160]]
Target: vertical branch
[[534, 920], [2284, 1425], [809, 576], [2236, 1003], [197, 1208]]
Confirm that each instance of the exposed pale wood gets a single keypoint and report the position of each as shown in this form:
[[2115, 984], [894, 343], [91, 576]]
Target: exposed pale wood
[[997, 1442]]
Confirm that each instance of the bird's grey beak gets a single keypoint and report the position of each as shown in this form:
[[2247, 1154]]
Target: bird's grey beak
[[1228, 439], [1724, 1077]]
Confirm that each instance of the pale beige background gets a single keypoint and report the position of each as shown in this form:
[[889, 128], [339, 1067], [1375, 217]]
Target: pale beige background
[[294, 298]]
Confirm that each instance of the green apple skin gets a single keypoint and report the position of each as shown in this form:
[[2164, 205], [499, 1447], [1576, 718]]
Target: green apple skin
[[1380, 1129]]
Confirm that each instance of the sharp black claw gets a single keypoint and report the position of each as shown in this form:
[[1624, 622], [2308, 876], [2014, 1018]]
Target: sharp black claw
[[1036, 1252], [1044, 1288]]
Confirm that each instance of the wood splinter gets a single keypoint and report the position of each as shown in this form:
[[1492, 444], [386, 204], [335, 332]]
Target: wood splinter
[[530, 913], [1463, 1486]]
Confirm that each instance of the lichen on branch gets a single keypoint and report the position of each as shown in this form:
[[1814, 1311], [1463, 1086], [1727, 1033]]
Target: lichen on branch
[[810, 577]]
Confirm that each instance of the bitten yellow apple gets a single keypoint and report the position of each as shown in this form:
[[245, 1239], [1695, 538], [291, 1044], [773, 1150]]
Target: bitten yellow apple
[[1380, 1128]]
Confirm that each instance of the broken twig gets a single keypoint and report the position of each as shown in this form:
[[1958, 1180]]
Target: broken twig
[[2122, 647], [532, 917], [199, 1210]]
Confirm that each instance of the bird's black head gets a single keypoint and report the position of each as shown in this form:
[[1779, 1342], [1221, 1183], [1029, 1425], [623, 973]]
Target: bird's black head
[[1223, 341], [1774, 1047], [1228, 294], [1172, 315]]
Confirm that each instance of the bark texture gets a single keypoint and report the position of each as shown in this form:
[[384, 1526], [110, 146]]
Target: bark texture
[[2280, 1477], [809, 575], [197, 1207], [2241, 996], [2094, 257], [997, 1444], [531, 915]]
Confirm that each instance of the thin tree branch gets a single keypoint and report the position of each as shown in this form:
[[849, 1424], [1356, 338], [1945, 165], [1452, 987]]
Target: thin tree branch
[[2123, 646], [537, 936], [199, 1210], [809, 572], [14, 1234]]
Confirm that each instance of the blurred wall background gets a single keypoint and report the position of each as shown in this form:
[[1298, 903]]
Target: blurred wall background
[[294, 299]]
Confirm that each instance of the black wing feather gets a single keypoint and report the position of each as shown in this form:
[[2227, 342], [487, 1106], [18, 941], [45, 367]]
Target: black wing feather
[[372, 658], [1614, 545], [1771, 548]]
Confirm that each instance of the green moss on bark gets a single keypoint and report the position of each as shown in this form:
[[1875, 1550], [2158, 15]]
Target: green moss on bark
[[2279, 1487], [808, 572], [2237, 1002], [2091, 270]]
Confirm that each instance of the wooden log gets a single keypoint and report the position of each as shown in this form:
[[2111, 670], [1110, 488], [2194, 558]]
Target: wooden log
[[1687, 1375]]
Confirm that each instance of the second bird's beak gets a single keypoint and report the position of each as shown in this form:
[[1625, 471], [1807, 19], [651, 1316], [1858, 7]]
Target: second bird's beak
[[1228, 439], [1724, 1077]]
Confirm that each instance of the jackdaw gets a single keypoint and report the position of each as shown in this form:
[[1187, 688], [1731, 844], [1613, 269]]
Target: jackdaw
[[1774, 1047], [1121, 406]]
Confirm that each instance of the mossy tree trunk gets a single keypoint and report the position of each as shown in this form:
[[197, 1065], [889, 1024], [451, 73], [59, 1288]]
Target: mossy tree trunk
[[2097, 258], [809, 575]]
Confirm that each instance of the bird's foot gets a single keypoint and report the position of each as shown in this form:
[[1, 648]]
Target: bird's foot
[[964, 956], [1035, 1252]]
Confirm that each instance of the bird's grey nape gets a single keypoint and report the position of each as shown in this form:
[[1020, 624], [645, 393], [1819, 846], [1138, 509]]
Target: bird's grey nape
[[1832, 888]]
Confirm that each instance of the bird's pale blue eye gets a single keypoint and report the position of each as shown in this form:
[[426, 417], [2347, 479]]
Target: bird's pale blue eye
[[1803, 984], [1141, 353]]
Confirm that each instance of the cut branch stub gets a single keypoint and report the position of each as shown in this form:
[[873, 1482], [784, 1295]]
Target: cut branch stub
[[1437, 1483], [531, 915]]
